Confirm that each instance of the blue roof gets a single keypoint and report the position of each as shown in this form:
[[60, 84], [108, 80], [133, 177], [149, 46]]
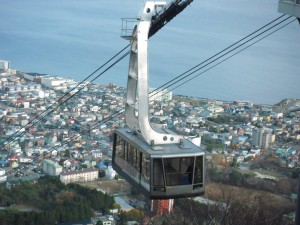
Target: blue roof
[[3, 163], [101, 165]]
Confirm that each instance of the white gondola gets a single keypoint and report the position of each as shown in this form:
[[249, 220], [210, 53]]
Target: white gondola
[[161, 164]]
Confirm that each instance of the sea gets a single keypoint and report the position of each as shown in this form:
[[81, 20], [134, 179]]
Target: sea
[[73, 38]]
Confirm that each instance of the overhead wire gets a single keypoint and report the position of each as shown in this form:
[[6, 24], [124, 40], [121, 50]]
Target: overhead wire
[[170, 83], [197, 75], [196, 69], [50, 109], [117, 113], [191, 69]]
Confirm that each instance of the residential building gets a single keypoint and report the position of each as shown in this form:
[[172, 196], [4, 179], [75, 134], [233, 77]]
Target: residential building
[[57, 83], [103, 219], [35, 77], [262, 137], [160, 95], [110, 173], [52, 168], [96, 154], [22, 88], [4, 65], [215, 109], [3, 177], [83, 175]]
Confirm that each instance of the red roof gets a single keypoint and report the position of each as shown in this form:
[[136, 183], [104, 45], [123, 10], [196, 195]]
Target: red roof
[[13, 157]]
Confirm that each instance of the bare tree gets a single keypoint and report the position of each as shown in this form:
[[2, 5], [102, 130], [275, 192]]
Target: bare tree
[[230, 207]]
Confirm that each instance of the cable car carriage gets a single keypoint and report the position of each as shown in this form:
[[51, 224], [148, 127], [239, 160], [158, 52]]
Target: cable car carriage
[[159, 163], [168, 171]]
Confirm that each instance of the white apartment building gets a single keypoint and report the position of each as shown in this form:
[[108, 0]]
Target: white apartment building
[[3, 177], [52, 168], [77, 176], [22, 88], [96, 154], [262, 137], [160, 95], [215, 109], [58, 83], [4, 65]]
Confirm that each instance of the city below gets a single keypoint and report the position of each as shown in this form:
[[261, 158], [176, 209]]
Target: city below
[[51, 126]]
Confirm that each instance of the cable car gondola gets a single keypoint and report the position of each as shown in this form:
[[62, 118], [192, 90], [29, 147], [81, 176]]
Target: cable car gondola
[[170, 172], [159, 163]]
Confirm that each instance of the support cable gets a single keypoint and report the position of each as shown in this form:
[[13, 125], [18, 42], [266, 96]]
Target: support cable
[[61, 100], [232, 55], [117, 113], [196, 69], [180, 77]]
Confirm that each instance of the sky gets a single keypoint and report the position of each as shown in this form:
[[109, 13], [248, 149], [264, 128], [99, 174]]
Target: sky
[[73, 38]]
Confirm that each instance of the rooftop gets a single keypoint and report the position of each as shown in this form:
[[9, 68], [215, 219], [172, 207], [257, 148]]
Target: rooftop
[[71, 172]]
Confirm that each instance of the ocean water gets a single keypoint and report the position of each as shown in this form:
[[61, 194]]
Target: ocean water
[[73, 38]]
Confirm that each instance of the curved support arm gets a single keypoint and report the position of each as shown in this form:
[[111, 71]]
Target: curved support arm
[[137, 86]]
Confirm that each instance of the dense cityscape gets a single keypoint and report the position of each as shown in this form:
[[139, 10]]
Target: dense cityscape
[[53, 127]]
